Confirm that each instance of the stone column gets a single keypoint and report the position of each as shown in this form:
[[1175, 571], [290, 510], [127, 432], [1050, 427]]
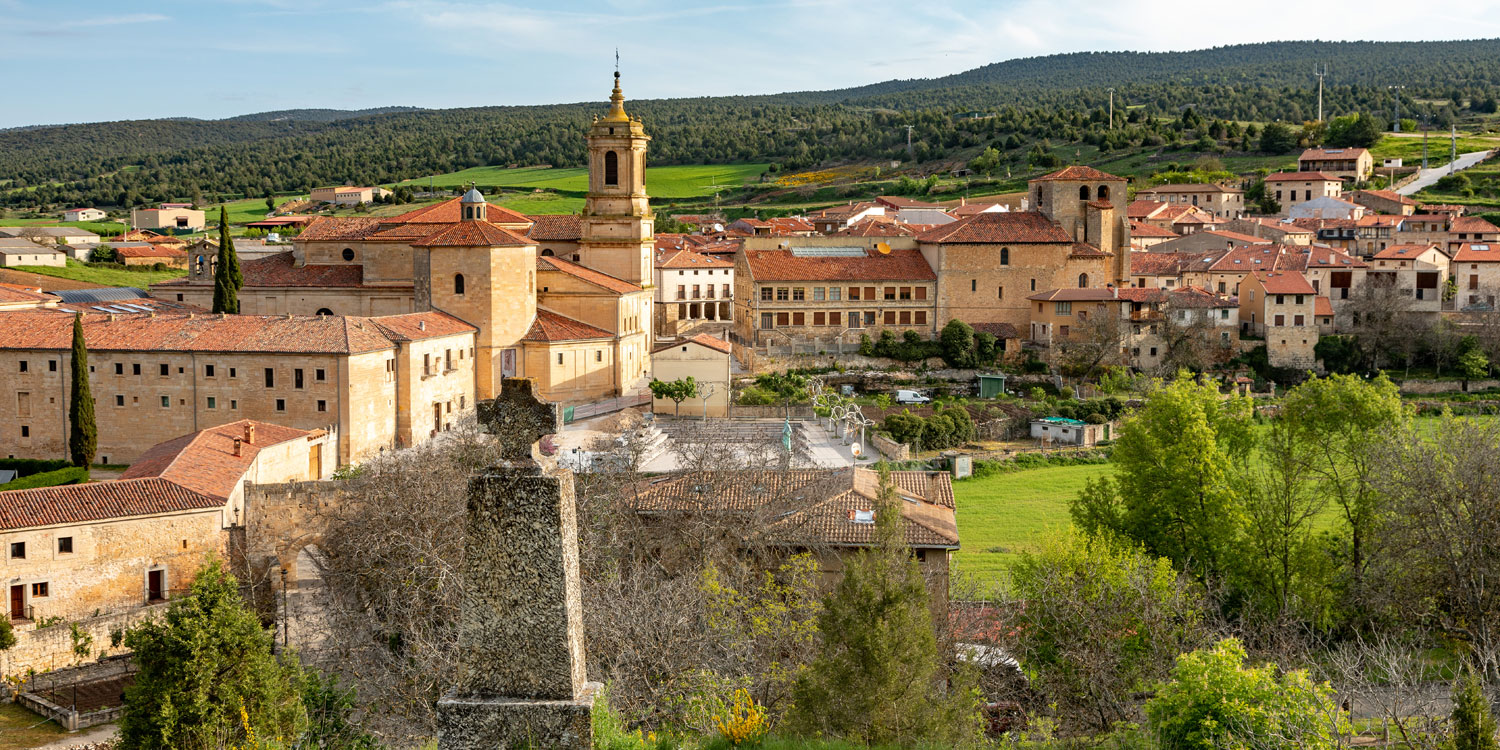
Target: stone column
[[521, 683]]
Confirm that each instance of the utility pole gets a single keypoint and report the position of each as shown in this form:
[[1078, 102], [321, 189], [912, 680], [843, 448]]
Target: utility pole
[[1452, 147], [908, 141], [1111, 109], [1320, 73], [1424, 141], [1396, 123]]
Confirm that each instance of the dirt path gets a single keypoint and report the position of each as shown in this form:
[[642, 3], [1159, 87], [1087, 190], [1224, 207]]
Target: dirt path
[[83, 737]]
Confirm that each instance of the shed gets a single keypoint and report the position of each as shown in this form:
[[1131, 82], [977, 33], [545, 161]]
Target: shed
[[991, 386]]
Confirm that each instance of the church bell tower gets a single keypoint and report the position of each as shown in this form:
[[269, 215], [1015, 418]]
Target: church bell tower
[[618, 234]]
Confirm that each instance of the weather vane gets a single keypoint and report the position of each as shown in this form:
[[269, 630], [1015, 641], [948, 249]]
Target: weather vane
[[617, 62]]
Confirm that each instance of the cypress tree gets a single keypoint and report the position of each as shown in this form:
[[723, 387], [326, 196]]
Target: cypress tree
[[83, 434], [227, 276]]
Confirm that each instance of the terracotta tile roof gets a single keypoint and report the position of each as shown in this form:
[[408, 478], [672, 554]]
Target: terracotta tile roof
[[1301, 177], [1476, 252], [1079, 172], [1247, 258], [844, 212], [150, 252], [204, 461], [599, 279], [814, 506], [549, 326], [1143, 209], [20, 294], [555, 228], [1198, 297], [404, 232], [999, 227], [690, 259], [1073, 294], [1189, 188], [1404, 252], [98, 501], [421, 325], [896, 201], [970, 209], [1237, 237], [188, 332], [339, 228], [1142, 229], [1085, 250], [790, 224], [783, 265], [1335, 154], [277, 271], [1101, 204], [1322, 307], [703, 339], [1278, 225], [1320, 257], [451, 212], [1171, 264], [1379, 220], [472, 234], [1389, 195], [1284, 282], [1472, 224], [872, 227], [998, 330]]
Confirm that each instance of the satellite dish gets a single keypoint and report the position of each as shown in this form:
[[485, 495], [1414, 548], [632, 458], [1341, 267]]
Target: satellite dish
[[884, 248]]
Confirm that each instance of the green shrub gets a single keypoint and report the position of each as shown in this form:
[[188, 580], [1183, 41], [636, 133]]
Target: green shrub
[[70, 475], [28, 466]]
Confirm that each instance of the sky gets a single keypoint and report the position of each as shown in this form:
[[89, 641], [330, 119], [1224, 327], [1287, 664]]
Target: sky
[[93, 60]]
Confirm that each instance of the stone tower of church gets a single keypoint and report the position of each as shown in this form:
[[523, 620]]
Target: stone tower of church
[[618, 235]]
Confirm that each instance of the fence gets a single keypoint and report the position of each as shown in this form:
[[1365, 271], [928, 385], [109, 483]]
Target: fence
[[584, 411], [82, 696]]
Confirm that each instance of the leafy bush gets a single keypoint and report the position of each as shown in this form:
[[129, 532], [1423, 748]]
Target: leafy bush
[[946, 428], [70, 475], [28, 466], [909, 347]]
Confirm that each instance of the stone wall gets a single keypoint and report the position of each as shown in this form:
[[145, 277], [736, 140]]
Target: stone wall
[[1445, 386], [280, 520], [890, 448], [52, 648]]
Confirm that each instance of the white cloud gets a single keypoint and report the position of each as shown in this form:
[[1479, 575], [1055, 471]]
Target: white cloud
[[115, 20]]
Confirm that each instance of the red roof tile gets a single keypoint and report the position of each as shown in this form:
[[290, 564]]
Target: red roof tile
[[1404, 252], [556, 228], [1334, 154], [597, 278], [690, 259], [549, 326], [1143, 209], [1284, 282], [703, 339], [999, 227], [204, 461], [1142, 229], [1073, 294], [472, 234], [98, 501], [179, 332], [331, 228], [784, 265], [1477, 252], [419, 326], [871, 227], [1472, 224], [278, 271], [451, 212], [1079, 172], [1322, 307], [1237, 237], [150, 252]]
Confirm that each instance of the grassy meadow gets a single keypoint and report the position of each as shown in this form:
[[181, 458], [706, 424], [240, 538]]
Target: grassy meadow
[[1001, 514], [104, 276], [688, 181]]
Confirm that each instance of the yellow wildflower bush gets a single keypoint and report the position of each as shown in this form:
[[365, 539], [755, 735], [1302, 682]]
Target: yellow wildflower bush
[[744, 721]]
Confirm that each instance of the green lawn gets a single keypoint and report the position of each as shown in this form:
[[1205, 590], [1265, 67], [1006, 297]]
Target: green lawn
[[103, 229], [241, 211], [1410, 149], [20, 728], [104, 276], [690, 181], [1003, 513], [542, 203]]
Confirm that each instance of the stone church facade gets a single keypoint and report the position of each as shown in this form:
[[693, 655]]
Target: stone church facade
[[565, 300]]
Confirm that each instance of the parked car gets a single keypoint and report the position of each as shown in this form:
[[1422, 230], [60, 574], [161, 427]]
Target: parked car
[[910, 397]]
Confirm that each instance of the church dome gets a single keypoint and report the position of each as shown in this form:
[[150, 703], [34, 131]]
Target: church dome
[[473, 196]]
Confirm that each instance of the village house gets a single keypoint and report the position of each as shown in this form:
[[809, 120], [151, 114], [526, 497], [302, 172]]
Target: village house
[[1340, 233], [346, 195], [705, 359], [1161, 319], [1290, 188], [1375, 233], [830, 220], [63, 237], [1351, 164], [1325, 207], [1276, 230], [1476, 268], [1280, 307], [1223, 202], [1384, 202], [1198, 242], [1060, 314], [179, 219], [15, 251], [1184, 220], [1169, 270], [155, 375], [1417, 271], [694, 292], [1471, 229], [84, 214], [1423, 228], [1144, 236], [152, 254]]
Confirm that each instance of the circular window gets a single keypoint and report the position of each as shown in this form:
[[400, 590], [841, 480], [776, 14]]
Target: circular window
[[348, 253]]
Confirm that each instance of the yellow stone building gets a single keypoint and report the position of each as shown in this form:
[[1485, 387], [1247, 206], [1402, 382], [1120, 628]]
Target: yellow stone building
[[566, 300]]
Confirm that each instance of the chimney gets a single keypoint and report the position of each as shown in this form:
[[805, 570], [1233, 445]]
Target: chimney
[[421, 325], [237, 443], [250, 433]]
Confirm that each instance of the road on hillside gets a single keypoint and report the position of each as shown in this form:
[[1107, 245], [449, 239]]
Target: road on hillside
[[1427, 177]]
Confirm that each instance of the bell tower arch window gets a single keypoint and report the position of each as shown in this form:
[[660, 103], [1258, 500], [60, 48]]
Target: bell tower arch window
[[1103, 192], [611, 168], [1083, 193], [1083, 281]]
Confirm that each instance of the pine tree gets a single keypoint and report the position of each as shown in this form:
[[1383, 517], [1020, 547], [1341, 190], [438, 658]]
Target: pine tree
[[227, 276], [876, 679], [1473, 726], [83, 434]]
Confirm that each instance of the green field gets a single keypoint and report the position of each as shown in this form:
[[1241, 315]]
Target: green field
[[20, 728], [240, 212], [1000, 514], [101, 228], [542, 203], [693, 181], [1410, 148], [104, 276]]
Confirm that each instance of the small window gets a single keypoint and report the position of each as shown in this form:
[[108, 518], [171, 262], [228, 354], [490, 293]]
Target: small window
[[166, 402], [348, 253], [135, 369], [208, 371], [280, 404], [598, 355], [25, 431], [297, 378], [119, 368], [458, 283], [119, 400], [611, 168], [320, 375], [164, 370], [231, 372], [39, 590], [322, 405], [270, 377], [18, 550], [559, 358], [64, 545]]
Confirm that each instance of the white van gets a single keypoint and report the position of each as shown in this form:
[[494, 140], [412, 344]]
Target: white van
[[910, 397]]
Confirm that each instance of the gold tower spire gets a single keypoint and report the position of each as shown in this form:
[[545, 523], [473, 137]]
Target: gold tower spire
[[617, 102]]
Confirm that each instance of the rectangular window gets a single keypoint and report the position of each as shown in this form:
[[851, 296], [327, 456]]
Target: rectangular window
[[321, 375], [799, 294], [234, 404], [1280, 299], [18, 550], [920, 317], [39, 590], [270, 377], [783, 319], [765, 293], [1281, 320], [213, 403], [280, 404], [1063, 308], [427, 364], [297, 378], [767, 320], [890, 292], [322, 405], [231, 372], [854, 320], [1033, 285], [726, 291], [869, 292], [999, 292], [973, 285], [853, 294], [25, 431], [208, 371], [890, 317], [23, 365], [135, 368], [835, 293], [835, 319], [559, 358], [1062, 331], [906, 317], [64, 545], [166, 401], [783, 294], [905, 292], [119, 400], [681, 291], [817, 294], [819, 319], [799, 319], [1297, 320], [697, 291], [920, 292], [598, 355], [119, 368], [869, 318]]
